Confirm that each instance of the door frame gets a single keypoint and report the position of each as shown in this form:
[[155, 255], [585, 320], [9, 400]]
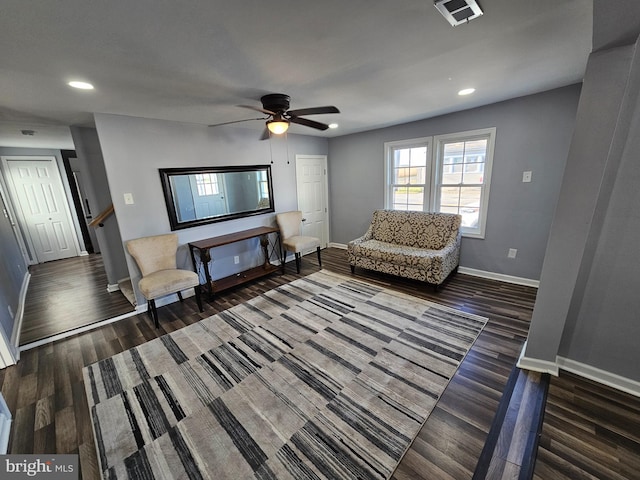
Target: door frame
[[323, 158], [31, 258]]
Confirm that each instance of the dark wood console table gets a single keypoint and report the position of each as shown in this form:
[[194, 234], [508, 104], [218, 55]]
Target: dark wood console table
[[269, 241]]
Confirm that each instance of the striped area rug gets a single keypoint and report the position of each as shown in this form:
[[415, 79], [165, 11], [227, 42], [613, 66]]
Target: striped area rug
[[327, 377]]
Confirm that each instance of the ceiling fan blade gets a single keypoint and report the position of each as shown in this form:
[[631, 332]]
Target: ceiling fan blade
[[258, 109], [265, 134], [237, 121], [309, 123], [313, 111]]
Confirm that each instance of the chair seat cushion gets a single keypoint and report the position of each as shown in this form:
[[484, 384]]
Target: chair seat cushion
[[298, 243], [164, 282]]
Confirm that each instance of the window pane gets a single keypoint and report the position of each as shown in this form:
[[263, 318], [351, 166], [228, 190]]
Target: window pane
[[408, 198], [450, 197], [452, 175], [448, 209], [401, 157], [401, 176], [453, 151], [418, 157]]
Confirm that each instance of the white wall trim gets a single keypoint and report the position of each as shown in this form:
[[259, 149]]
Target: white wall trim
[[5, 425], [7, 354], [527, 282], [342, 246], [535, 364], [19, 317], [112, 287], [601, 376], [75, 331]]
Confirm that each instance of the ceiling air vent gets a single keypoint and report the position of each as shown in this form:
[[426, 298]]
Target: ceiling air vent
[[458, 11]]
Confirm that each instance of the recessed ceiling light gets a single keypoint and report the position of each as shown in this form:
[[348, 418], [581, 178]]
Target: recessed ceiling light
[[333, 125], [81, 85], [466, 91]]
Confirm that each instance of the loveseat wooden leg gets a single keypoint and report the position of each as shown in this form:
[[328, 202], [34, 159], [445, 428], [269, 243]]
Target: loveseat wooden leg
[[353, 269]]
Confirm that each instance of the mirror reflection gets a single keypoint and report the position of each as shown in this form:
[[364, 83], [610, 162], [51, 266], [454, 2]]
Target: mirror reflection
[[197, 196]]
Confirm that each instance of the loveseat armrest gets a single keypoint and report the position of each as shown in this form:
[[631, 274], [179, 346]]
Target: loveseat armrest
[[367, 236]]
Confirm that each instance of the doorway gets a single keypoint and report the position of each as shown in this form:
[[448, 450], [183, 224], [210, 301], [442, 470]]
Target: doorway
[[312, 191], [40, 202]]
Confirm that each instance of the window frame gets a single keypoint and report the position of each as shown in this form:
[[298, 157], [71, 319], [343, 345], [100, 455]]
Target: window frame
[[390, 148], [435, 167]]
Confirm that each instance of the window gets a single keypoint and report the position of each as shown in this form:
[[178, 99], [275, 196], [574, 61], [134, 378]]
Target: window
[[452, 177], [409, 173], [207, 184]]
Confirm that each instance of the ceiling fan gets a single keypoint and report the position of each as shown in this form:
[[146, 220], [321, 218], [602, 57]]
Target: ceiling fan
[[276, 106]]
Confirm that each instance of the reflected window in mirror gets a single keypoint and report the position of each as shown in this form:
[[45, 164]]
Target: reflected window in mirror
[[198, 196]]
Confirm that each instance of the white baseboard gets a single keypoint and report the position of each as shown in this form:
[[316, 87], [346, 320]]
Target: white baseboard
[[5, 425], [19, 317], [527, 282], [601, 376], [598, 375], [83, 253], [112, 287], [342, 246]]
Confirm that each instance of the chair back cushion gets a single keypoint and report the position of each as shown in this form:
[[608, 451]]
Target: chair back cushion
[[289, 223], [415, 229], [154, 253]]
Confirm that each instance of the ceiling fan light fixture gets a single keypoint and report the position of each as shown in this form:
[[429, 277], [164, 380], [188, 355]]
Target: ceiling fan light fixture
[[278, 126]]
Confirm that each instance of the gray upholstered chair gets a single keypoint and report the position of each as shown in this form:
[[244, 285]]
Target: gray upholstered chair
[[289, 224], [156, 258]]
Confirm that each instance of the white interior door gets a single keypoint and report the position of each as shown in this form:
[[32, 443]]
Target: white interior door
[[37, 190], [312, 188]]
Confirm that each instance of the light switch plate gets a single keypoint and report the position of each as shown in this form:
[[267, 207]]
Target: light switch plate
[[128, 199]]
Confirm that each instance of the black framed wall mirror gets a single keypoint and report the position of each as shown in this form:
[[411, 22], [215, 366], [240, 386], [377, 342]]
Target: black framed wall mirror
[[202, 195]]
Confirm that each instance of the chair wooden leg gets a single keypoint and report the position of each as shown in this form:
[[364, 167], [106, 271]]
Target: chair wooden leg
[[180, 296], [154, 313], [319, 259], [298, 261], [198, 299], [284, 259], [149, 309]]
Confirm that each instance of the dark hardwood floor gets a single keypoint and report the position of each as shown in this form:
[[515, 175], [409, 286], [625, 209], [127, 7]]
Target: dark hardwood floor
[[45, 391], [67, 294]]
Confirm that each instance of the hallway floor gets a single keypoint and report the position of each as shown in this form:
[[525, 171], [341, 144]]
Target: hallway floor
[[67, 294]]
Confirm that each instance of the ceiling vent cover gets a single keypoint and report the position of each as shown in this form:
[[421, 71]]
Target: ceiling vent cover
[[458, 11]]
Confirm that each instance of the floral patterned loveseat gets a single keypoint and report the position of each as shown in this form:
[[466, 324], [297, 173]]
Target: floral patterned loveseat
[[418, 245]]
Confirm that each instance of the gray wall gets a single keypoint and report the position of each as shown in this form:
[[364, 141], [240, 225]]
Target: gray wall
[[12, 272], [89, 156], [135, 148], [588, 303], [532, 133]]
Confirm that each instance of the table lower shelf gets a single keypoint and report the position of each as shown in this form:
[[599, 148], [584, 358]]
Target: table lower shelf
[[242, 277]]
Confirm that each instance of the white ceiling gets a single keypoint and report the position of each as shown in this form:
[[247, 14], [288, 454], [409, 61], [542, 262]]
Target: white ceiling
[[381, 62]]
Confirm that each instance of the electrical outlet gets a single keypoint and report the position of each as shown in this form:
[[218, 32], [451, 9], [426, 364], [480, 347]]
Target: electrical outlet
[[128, 199], [236, 259], [512, 253], [526, 176]]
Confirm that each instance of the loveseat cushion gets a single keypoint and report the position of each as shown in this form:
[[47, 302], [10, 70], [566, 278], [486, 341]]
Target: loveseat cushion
[[430, 231], [397, 254]]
